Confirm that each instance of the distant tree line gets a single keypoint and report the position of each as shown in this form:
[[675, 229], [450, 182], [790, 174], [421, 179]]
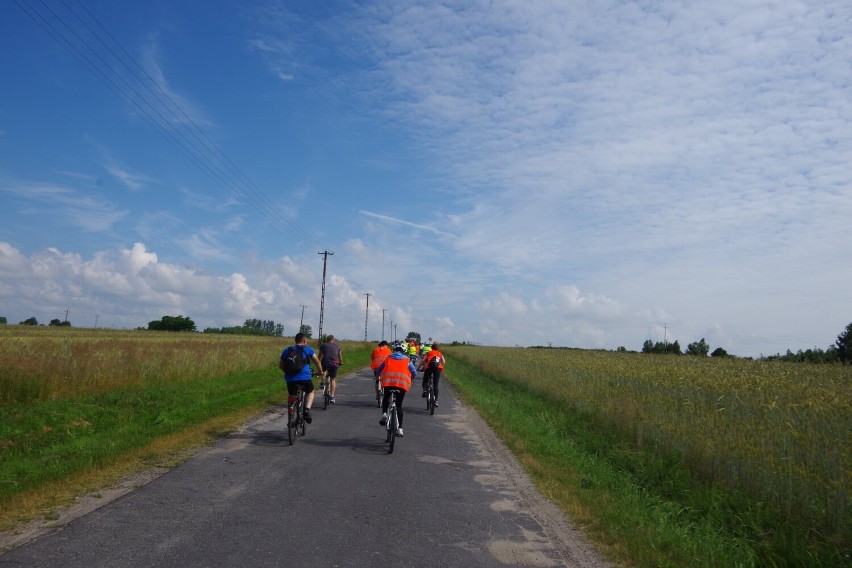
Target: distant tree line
[[697, 348], [33, 321], [840, 352], [251, 327]]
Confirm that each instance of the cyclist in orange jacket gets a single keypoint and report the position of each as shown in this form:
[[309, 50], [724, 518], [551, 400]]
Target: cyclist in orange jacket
[[396, 373], [432, 365]]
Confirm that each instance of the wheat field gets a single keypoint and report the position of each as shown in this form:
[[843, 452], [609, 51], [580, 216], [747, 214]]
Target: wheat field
[[778, 431]]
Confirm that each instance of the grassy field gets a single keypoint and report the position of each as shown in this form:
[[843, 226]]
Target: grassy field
[[663, 460], [75, 403], [678, 461]]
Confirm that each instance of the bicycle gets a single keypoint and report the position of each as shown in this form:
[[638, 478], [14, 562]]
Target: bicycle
[[380, 392], [392, 424], [326, 393], [296, 415], [430, 395]]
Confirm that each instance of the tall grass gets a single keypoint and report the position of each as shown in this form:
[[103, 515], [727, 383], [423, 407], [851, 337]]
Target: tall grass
[[778, 432], [45, 363]]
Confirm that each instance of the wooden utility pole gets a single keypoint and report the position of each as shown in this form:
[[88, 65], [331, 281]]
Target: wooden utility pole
[[367, 315], [322, 296]]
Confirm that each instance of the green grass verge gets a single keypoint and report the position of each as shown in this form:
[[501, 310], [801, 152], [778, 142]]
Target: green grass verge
[[642, 507], [47, 440]]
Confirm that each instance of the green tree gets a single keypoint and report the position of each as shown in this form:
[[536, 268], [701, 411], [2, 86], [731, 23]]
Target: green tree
[[59, 323], [2, 320], [698, 348], [172, 323], [719, 352], [30, 321], [306, 329], [413, 335], [844, 345], [264, 327]]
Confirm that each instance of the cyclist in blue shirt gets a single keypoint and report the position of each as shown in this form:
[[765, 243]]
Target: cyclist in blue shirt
[[303, 377]]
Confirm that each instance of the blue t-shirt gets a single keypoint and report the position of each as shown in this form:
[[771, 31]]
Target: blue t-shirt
[[305, 374]]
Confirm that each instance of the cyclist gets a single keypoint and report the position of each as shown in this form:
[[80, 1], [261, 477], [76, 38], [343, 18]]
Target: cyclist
[[331, 358], [378, 357], [412, 350], [303, 377], [432, 365], [396, 373]]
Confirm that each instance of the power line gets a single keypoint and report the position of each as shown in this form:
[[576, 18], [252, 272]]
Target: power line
[[92, 44], [181, 131]]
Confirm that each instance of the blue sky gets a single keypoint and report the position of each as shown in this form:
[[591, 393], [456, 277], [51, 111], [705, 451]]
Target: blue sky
[[587, 174]]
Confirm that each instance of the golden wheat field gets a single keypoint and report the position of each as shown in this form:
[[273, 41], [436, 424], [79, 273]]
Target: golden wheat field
[[779, 431]]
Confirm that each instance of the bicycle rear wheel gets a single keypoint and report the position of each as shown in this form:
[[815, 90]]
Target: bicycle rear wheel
[[291, 427], [326, 396], [430, 400], [392, 426]]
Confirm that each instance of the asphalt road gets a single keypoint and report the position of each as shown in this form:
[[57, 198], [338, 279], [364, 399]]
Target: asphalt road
[[449, 495]]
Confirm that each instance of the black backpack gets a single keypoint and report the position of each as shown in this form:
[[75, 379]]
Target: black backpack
[[295, 360], [434, 363]]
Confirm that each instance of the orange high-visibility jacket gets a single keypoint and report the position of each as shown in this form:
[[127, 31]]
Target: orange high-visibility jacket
[[379, 355], [431, 355], [396, 373]]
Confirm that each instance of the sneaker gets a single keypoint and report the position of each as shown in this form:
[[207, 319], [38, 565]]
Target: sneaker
[[399, 432], [308, 417], [424, 394], [333, 401], [384, 419], [436, 404]]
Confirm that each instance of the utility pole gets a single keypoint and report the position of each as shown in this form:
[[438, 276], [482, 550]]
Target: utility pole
[[322, 296], [302, 320], [390, 330], [367, 315], [66, 316], [96, 321], [383, 324]]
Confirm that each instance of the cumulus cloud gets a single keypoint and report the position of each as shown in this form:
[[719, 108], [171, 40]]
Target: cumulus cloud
[[130, 287]]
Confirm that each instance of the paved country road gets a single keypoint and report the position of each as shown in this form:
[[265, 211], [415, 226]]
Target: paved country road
[[449, 495]]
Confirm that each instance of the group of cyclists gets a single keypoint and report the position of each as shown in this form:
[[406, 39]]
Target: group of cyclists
[[394, 365]]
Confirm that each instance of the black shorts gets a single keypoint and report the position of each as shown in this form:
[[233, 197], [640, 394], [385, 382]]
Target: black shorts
[[292, 386], [331, 370]]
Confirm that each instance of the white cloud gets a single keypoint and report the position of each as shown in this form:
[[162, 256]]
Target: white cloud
[[85, 212], [132, 181], [132, 286], [395, 221]]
